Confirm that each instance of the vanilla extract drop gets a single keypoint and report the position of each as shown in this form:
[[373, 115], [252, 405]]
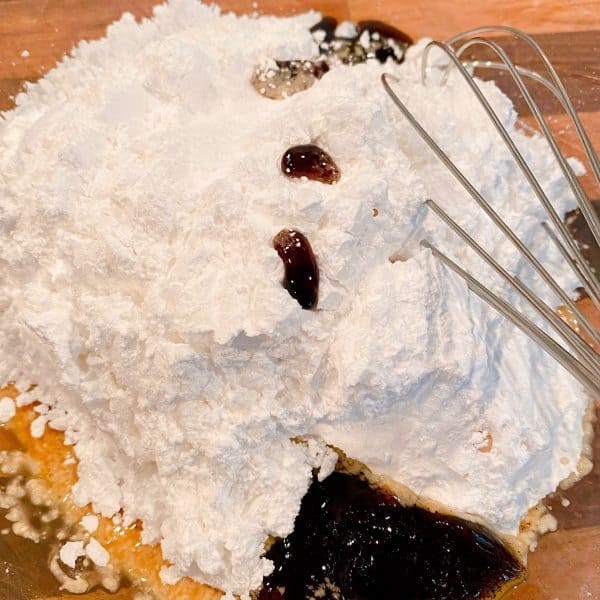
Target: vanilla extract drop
[[301, 277], [310, 161]]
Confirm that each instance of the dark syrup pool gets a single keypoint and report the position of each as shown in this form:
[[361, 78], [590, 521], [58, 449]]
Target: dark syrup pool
[[354, 542]]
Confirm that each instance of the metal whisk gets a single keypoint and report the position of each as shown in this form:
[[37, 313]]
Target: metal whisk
[[577, 355]]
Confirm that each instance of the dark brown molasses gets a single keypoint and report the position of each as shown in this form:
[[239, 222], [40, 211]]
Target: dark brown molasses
[[310, 161], [354, 542], [301, 277]]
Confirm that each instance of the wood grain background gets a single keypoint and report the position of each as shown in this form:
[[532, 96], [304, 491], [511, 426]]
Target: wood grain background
[[35, 34]]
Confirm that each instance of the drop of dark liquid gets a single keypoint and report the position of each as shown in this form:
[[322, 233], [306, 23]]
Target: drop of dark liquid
[[355, 542], [301, 277], [289, 77], [381, 42], [310, 161]]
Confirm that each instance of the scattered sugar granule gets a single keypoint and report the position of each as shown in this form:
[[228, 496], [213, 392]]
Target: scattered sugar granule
[[327, 466], [38, 426], [41, 409], [565, 502], [90, 523], [346, 29], [97, 553], [70, 552], [547, 523], [25, 54], [365, 39], [26, 398], [7, 409]]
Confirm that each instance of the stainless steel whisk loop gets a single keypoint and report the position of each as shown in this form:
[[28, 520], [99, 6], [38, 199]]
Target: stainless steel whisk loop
[[579, 356]]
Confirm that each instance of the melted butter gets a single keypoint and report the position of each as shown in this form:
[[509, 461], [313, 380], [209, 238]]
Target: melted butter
[[29, 569], [32, 531]]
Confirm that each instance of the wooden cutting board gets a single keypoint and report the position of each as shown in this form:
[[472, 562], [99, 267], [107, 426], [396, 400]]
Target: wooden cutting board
[[35, 34]]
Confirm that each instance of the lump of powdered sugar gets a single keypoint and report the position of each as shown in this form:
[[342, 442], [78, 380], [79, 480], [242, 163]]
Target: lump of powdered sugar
[[70, 552], [90, 523], [140, 190], [97, 553], [7, 409]]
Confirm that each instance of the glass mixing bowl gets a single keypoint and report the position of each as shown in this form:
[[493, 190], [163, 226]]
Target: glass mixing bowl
[[33, 37]]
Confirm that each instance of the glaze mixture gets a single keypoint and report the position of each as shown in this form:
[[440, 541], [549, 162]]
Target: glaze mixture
[[140, 194]]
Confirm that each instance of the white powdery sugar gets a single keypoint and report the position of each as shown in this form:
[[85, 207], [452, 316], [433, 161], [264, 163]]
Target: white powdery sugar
[[97, 553], [140, 189], [90, 523], [70, 552], [7, 409], [38, 426]]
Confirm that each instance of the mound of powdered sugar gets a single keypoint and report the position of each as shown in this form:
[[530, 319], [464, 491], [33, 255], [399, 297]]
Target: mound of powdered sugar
[[140, 189]]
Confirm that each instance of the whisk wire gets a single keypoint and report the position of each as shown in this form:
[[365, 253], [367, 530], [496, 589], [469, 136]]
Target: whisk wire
[[565, 253], [585, 352], [485, 205], [586, 377], [559, 90], [583, 361], [589, 148], [594, 288]]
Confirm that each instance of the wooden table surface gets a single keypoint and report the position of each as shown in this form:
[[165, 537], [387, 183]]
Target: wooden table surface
[[35, 34]]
